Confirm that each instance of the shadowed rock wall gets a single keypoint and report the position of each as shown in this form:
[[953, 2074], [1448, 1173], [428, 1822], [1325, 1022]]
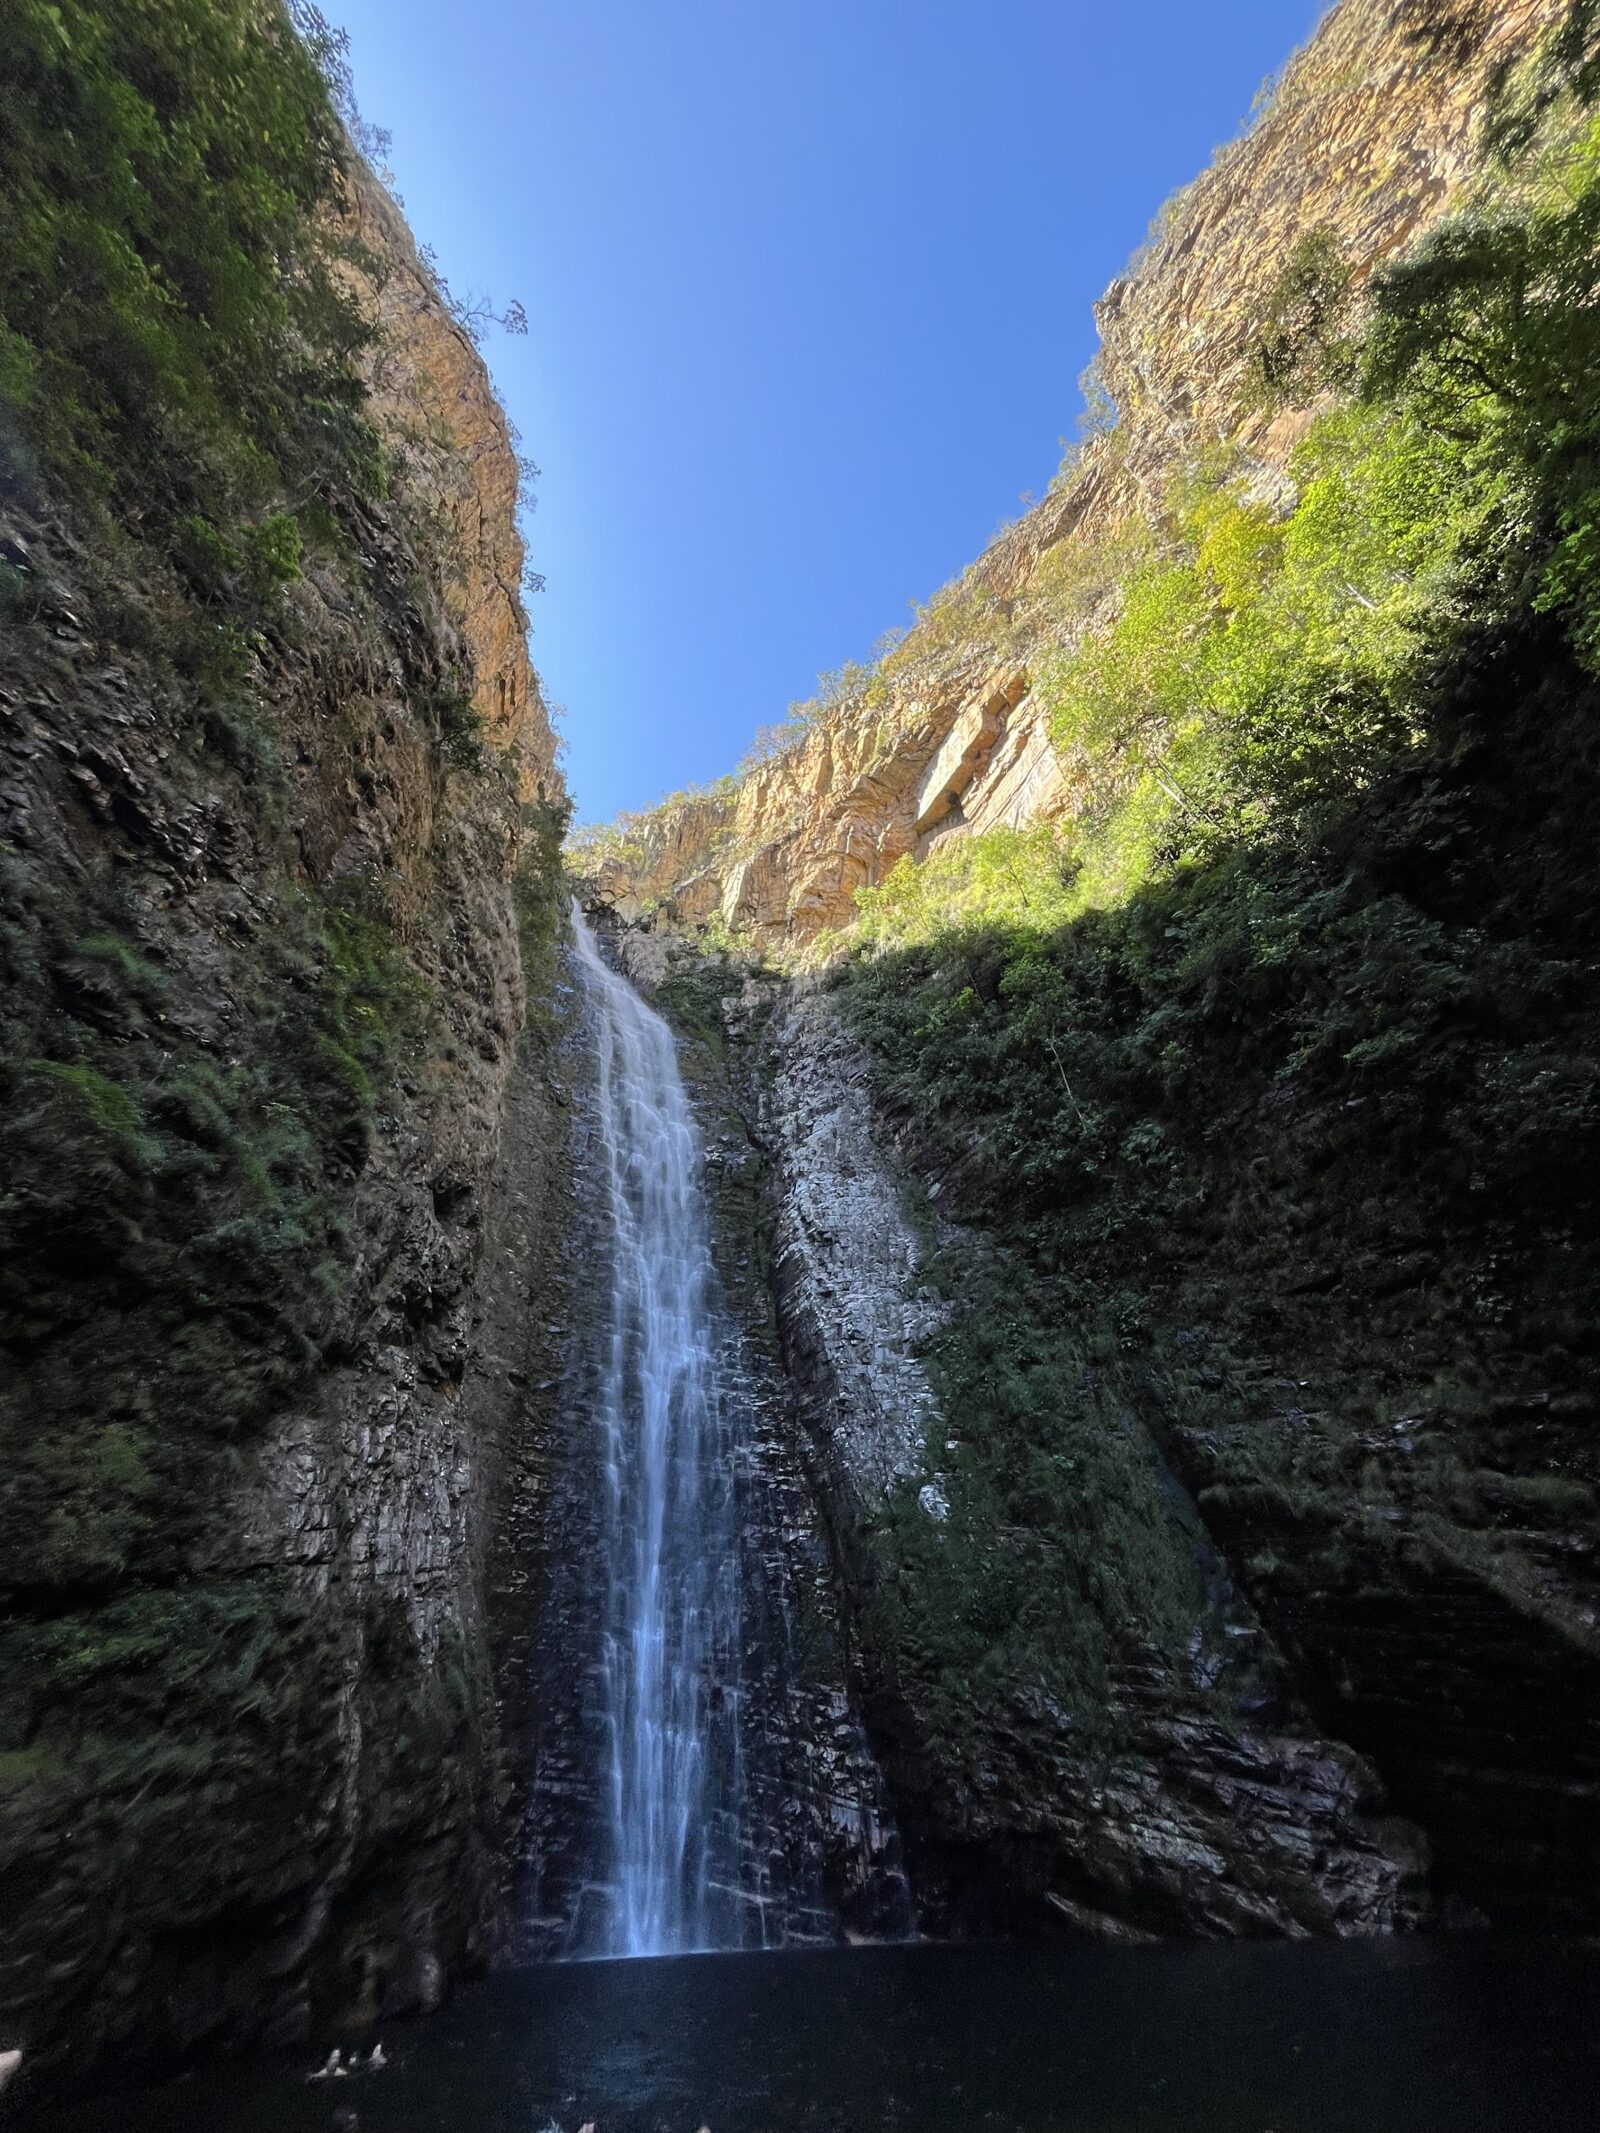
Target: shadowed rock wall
[[266, 1350], [1210, 1802]]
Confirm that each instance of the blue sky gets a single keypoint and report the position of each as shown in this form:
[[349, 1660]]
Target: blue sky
[[809, 293]]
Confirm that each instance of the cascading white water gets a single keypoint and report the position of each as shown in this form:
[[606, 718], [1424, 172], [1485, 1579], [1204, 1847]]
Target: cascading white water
[[671, 1651]]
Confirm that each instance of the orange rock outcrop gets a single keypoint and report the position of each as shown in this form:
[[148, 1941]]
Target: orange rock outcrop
[[1371, 132]]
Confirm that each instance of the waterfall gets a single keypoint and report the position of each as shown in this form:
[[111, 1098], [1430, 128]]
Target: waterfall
[[699, 1777], [672, 1795]]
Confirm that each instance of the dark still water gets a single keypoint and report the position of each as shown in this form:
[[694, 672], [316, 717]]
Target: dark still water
[[1454, 2035]]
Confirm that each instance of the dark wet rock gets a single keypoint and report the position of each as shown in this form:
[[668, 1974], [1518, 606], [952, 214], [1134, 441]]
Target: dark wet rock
[[1480, 1707]]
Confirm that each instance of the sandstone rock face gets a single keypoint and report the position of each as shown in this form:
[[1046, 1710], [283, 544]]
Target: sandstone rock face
[[1195, 1818], [432, 400], [1371, 132], [251, 1755]]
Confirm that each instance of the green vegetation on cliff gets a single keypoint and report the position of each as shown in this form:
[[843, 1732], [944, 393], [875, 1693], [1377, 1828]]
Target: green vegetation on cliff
[[1274, 1074], [176, 350], [177, 366], [1280, 643]]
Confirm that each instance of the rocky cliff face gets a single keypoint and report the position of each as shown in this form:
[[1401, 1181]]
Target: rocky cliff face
[[1293, 1499], [1370, 133], [279, 1175], [1211, 1802]]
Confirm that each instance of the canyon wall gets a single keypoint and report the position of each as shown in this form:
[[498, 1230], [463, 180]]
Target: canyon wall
[[1195, 1490], [1370, 133], [281, 1174], [1175, 1634]]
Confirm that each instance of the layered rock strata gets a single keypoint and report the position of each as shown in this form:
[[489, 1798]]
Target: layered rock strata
[[1369, 134], [251, 1766]]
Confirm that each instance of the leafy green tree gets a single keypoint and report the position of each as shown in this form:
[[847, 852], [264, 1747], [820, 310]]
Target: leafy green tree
[[1490, 334], [1303, 343]]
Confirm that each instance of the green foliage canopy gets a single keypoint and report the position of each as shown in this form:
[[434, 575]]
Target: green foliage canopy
[[175, 343]]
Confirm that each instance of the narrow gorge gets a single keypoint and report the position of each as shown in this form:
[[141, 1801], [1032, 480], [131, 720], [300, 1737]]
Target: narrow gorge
[[984, 1331]]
